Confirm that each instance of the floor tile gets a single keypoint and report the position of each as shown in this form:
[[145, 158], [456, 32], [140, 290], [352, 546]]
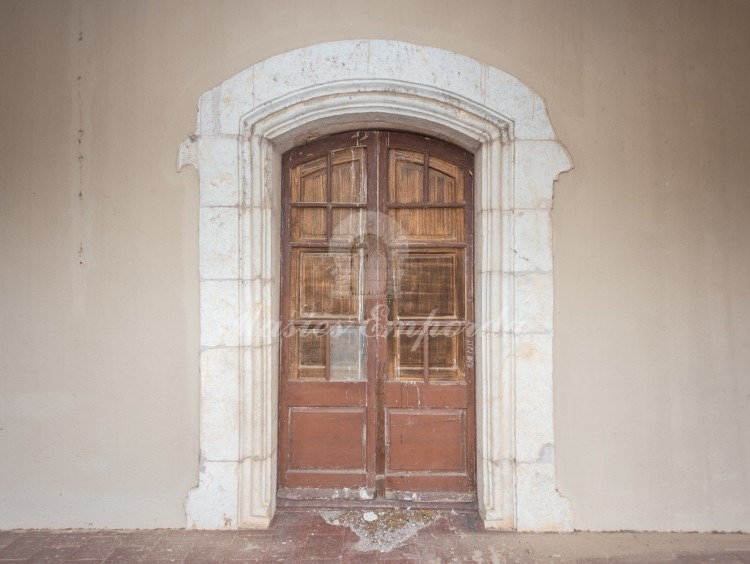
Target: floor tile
[[138, 538], [360, 557], [407, 550], [322, 547], [51, 554], [319, 526], [96, 548], [465, 522], [286, 551], [7, 537], [298, 518], [215, 537], [741, 555], [24, 546], [248, 551], [162, 552], [69, 539], [206, 551], [125, 554], [288, 532], [711, 557]]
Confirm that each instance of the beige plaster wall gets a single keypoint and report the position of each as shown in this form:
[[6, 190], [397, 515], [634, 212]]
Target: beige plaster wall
[[98, 243]]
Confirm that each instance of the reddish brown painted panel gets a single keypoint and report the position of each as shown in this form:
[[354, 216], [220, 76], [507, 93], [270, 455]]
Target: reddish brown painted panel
[[326, 394], [326, 439], [425, 440], [425, 395]]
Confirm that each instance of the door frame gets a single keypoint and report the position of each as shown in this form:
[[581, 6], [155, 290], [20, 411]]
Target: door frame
[[244, 125], [380, 395]]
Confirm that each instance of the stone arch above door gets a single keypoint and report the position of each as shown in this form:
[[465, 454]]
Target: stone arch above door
[[243, 127]]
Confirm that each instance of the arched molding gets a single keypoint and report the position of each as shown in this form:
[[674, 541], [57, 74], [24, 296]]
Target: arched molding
[[244, 125]]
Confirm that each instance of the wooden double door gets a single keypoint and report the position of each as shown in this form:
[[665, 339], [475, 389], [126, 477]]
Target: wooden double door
[[377, 349]]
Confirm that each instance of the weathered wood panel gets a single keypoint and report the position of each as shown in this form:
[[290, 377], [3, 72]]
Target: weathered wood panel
[[376, 390]]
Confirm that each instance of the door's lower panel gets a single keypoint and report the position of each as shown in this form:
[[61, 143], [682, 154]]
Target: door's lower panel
[[326, 454], [327, 439], [426, 455], [425, 440]]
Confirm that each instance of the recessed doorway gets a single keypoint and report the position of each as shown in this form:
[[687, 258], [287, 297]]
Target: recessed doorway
[[377, 348], [244, 126]]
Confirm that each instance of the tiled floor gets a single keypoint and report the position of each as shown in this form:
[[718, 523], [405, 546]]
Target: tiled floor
[[298, 535]]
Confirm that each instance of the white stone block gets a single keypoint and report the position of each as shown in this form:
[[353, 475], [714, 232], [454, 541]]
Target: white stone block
[[234, 99], [533, 303], [511, 98], [260, 312], [532, 241], [297, 70], [208, 116], [218, 160], [488, 239], [188, 153], [213, 504], [534, 427], [257, 477], [411, 63], [505, 258], [257, 417], [220, 393], [508, 293], [537, 164], [505, 347], [272, 245], [498, 171], [490, 307], [253, 239], [497, 498], [255, 316], [219, 245], [540, 508], [220, 325]]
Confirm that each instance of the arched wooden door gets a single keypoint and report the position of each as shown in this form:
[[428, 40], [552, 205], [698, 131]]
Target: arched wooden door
[[377, 372]]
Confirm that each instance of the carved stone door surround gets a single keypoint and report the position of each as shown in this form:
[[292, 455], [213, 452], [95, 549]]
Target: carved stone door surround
[[243, 127]]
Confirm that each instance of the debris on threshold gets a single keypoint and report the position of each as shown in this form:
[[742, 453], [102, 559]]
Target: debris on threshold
[[381, 530]]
